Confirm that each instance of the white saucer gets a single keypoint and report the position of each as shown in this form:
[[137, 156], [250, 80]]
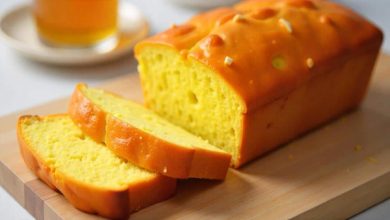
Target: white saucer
[[18, 31]]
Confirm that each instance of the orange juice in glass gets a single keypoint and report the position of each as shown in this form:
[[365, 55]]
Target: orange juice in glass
[[76, 23]]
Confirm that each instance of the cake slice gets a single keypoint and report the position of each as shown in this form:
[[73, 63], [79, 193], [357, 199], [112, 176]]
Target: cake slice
[[87, 173], [137, 134]]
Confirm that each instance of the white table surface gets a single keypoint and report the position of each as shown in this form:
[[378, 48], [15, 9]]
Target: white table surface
[[24, 83]]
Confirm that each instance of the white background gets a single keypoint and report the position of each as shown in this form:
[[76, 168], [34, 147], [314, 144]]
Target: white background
[[24, 83]]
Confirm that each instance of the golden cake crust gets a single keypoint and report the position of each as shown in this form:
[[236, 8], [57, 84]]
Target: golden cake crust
[[114, 204], [303, 36], [142, 148]]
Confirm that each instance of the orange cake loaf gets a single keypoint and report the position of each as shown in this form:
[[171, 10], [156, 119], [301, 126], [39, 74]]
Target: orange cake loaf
[[87, 173], [254, 76], [139, 135]]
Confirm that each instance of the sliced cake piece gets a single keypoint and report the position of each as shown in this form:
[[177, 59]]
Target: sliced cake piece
[[87, 173], [142, 137]]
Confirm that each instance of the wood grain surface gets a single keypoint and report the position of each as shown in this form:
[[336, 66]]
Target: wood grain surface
[[332, 172]]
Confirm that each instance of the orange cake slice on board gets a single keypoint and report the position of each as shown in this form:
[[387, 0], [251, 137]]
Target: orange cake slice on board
[[87, 173], [137, 134]]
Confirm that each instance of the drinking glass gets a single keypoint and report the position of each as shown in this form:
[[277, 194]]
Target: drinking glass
[[76, 23]]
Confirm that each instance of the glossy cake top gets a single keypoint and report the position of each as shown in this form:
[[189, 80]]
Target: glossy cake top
[[265, 48]]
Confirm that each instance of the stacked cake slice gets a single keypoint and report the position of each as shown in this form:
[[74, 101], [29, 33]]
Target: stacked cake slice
[[111, 156]]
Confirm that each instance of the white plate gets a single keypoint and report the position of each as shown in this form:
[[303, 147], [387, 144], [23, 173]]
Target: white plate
[[18, 31]]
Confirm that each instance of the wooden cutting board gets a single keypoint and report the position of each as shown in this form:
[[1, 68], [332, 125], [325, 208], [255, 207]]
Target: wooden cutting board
[[332, 172]]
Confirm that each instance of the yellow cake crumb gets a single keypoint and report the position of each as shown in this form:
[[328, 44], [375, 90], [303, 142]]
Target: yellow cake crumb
[[144, 119], [195, 98], [63, 146]]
